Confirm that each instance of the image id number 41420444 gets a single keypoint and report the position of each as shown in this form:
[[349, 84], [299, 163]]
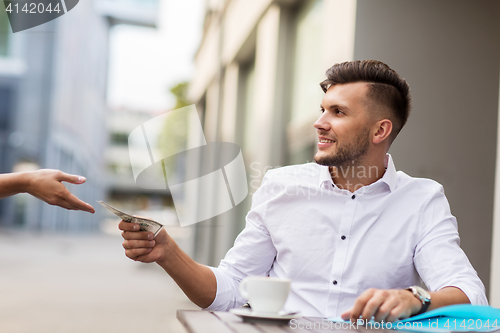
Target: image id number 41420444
[[32, 8], [470, 324]]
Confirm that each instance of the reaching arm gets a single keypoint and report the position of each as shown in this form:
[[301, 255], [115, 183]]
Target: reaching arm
[[45, 185], [13, 183], [197, 281], [253, 254]]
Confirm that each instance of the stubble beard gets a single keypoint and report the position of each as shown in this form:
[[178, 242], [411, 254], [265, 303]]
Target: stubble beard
[[350, 154]]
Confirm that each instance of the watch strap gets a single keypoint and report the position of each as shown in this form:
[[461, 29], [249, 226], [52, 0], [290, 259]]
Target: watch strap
[[424, 308], [423, 296]]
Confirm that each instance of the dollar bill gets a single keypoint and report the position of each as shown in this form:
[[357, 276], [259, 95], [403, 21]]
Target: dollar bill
[[146, 224]]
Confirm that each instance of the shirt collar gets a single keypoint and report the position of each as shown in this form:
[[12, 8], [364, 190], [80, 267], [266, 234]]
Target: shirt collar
[[389, 177], [325, 179]]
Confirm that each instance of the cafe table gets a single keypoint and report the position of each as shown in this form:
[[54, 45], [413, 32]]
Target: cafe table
[[200, 321]]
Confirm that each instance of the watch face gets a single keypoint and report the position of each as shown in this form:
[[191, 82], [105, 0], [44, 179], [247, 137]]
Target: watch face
[[422, 294]]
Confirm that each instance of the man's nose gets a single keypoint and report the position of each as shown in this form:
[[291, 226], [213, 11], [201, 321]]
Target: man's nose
[[322, 123]]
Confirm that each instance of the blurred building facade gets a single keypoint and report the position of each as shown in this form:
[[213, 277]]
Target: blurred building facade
[[53, 83], [257, 84], [122, 190], [53, 108]]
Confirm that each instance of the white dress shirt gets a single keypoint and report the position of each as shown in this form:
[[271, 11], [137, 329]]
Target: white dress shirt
[[334, 244]]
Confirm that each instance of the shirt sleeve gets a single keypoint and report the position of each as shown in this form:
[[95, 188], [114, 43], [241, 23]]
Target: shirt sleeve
[[439, 260], [253, 254]]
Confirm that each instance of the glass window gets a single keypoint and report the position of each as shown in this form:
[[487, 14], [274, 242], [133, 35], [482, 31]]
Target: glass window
[[5, 107], [5, 32], [248, 91], [308, 71], [307, 74], [246, 138], [120, 139]]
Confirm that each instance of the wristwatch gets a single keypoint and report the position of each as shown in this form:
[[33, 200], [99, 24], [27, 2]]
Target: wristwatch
[[423, 296]]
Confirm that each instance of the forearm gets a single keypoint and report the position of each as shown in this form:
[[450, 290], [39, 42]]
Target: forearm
[[447, 296], [13, 183], [197, 281]]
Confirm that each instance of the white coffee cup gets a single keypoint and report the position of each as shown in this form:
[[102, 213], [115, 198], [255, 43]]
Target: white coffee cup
[[265, 294]]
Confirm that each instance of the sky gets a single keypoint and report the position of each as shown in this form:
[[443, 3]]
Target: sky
[[146, 62]]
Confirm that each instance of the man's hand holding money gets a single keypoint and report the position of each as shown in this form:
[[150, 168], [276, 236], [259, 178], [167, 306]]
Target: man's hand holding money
[[197, 281], [142, 245]]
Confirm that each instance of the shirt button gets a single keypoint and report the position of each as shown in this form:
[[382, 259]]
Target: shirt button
[[343, 237], [334, 282], [353, 197]]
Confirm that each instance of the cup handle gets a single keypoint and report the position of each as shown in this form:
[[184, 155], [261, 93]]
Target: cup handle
[[243, 289]]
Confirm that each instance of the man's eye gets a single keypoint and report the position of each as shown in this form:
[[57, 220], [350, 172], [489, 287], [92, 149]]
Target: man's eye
[[321, 110]]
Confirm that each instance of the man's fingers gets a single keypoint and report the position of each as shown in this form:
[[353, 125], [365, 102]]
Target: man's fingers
[[135, 244], [360, 303], [385, 309], [128, 226], [134, 253], [382, 305], [144, 258], [396, 313], [137, 235], [346, 315], [372, 306]]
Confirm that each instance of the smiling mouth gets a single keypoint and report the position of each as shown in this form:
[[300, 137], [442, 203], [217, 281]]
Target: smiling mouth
[[326, 141]]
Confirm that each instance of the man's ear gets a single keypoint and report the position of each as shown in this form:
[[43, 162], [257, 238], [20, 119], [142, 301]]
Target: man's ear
[[383, 129]]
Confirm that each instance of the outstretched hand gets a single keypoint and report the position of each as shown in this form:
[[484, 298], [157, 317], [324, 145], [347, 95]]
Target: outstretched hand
[[46, 185]]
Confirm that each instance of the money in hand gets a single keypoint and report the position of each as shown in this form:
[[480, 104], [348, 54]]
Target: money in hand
[[146, 224]]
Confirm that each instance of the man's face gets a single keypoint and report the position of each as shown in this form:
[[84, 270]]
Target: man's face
[[344, 126]]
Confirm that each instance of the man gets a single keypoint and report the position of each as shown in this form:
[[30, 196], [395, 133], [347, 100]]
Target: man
[[353, 235], [46, 185]]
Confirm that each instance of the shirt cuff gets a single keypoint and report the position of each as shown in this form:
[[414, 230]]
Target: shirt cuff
[[476, 297], [224, 294]]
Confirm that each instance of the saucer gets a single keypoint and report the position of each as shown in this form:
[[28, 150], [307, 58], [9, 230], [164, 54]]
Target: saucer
[[250, 316]]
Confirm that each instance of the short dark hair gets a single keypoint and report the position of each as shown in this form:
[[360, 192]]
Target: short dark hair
[[385, 86]]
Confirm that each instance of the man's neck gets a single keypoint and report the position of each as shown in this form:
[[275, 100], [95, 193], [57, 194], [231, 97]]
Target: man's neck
[[353, 177]]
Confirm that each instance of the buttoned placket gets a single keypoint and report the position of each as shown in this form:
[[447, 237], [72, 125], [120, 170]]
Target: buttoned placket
[[340, 252]]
